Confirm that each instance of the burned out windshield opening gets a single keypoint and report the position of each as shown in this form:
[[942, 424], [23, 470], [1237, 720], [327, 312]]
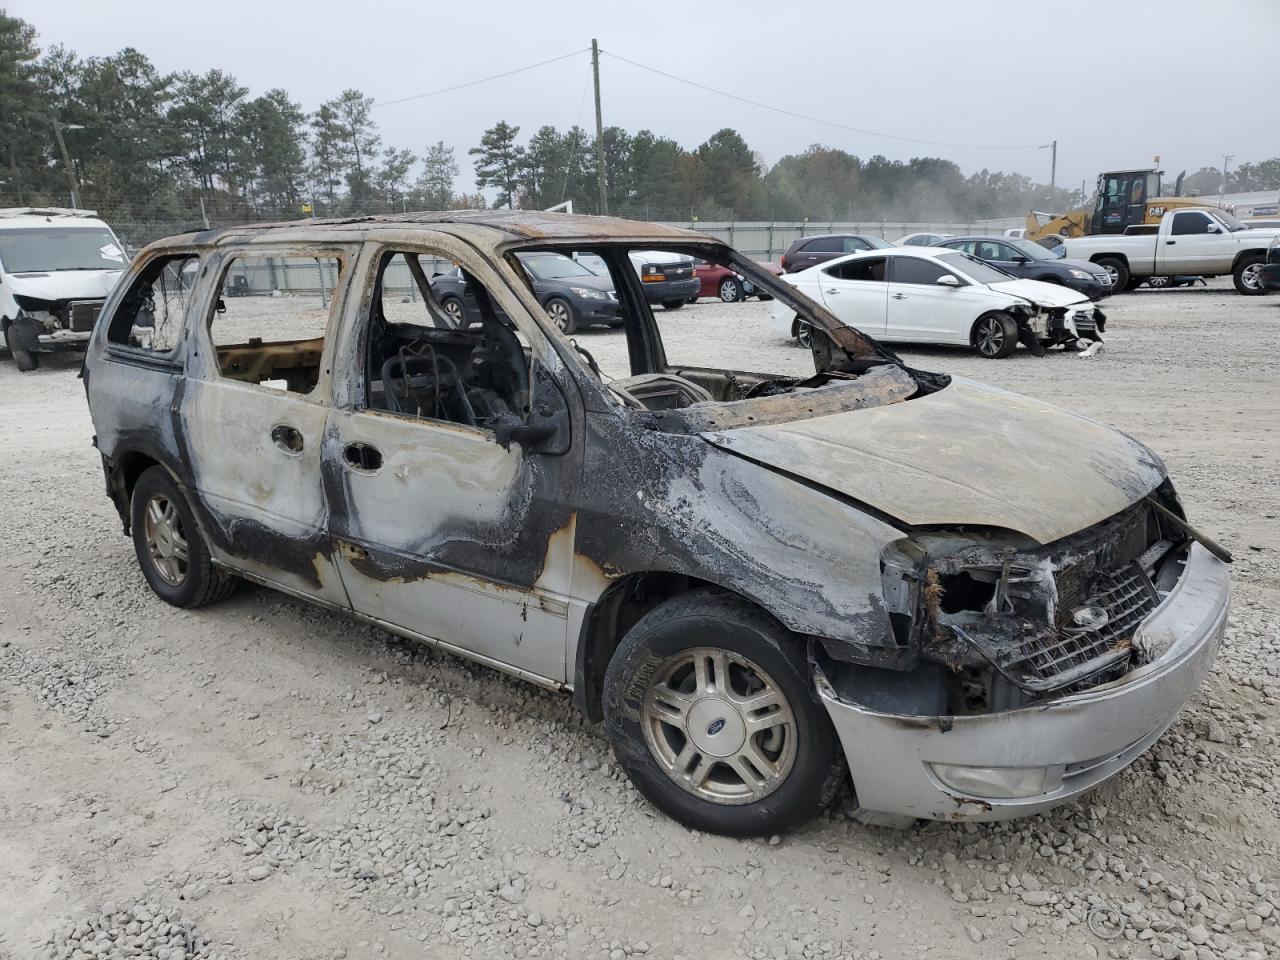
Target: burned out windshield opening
[[641, 333]]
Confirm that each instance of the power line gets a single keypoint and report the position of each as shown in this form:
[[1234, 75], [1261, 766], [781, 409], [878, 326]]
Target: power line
[[805, 116], [472, 83]]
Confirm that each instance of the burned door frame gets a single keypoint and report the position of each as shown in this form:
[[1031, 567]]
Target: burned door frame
[[255, 452], [453, 539]]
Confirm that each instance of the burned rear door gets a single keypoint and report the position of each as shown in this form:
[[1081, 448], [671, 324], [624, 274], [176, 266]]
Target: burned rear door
[[254, 406], [445, 526]]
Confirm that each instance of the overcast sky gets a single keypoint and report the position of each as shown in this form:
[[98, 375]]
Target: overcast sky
[[1115, 83]]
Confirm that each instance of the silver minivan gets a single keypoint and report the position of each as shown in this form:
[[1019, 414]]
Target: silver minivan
[[767, 585]]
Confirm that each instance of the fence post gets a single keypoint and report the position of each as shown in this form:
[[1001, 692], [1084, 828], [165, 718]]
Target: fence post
[[731, 233], [769, 255], [324, 295]]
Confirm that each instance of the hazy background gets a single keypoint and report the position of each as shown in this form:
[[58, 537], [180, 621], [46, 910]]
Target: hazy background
[[1115, 83]]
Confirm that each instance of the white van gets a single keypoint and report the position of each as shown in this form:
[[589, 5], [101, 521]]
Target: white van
[[56, 268]]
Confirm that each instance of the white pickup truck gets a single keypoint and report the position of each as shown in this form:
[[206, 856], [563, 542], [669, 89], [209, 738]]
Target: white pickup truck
[[1206, 243]]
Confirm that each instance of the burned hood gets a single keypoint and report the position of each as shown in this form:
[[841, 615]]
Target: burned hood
[[968, 454]]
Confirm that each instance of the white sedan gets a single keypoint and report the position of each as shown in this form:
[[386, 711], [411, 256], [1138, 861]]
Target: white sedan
[[937, 295]]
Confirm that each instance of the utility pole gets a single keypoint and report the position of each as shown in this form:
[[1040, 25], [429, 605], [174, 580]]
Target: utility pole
[[1053, 168], [1226, 161], [600, 172], [66, 162]]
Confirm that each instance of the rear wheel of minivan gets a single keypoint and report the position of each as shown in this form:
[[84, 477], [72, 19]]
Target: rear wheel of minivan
[[170, 548], [712, 713]]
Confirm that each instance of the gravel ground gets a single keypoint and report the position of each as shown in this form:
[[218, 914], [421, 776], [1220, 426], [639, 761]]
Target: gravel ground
[[267, 779]]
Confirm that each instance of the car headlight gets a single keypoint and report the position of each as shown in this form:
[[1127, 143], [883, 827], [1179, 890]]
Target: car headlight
[[1081, 274], [587, 293], [1004, 783]]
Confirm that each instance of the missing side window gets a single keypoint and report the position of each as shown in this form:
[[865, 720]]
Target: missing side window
[[152, 311], [270, 317]]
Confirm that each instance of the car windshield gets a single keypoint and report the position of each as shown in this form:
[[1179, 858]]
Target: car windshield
[[1032, 250], [554, 266], [49, 249], [1228, 221], [975, 269], [877, 243]]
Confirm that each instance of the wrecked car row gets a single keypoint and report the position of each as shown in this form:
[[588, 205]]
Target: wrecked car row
[[757, 581]]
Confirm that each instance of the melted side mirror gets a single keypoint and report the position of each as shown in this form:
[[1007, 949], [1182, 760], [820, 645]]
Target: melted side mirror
[[546, 428]]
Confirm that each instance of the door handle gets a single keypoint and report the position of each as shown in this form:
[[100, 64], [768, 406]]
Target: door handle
[[362, 457], [287, 438], [832, 291], [899, 296], [1170, 243]]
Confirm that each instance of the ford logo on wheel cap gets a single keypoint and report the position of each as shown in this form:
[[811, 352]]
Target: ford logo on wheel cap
[[716, 726], [1089, 618]]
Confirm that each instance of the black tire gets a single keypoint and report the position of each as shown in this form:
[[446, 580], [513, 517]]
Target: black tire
[[692, 300], [730, 290], [201, 582], [673, 304], [700, 620], [1118, 269], [995, 335], [455, 313], [803, 333], [1247, 275], [23, 358], [562, 314], [1134, 282]]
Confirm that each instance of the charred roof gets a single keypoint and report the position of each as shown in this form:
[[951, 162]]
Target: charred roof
[[507, 225]]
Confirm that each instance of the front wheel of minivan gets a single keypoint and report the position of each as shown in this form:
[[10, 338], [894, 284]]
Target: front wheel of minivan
[[170, 548], [712, 713]]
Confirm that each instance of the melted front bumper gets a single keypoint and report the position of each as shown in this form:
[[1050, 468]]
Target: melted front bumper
[[1080, 740]]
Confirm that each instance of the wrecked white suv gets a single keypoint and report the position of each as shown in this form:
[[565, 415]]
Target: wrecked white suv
[[56, 267], [983, 604]]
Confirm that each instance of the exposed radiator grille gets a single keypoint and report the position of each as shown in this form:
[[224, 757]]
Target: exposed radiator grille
[[1124, 597], [81, 314]]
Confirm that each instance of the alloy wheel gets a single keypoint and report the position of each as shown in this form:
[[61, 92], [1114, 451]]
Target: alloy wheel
[[166, 540], [729, 291], [990, 336], [1251, 276], [559, 313], [804, 335], [454, 309], [719, 726]]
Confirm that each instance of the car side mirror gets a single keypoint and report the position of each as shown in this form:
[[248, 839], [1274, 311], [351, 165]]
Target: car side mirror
[[546, 428], [1021, 260], [1213, 228], [947, 280]]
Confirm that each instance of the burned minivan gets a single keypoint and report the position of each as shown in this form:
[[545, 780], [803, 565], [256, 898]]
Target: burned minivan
[[976, 604]]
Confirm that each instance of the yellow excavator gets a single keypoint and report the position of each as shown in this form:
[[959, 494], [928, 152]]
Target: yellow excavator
[[1125, 198]]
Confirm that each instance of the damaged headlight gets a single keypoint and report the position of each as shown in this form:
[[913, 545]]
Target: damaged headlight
[[999, 783]]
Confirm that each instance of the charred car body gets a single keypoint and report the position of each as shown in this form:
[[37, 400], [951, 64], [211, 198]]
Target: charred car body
[[751, 578]]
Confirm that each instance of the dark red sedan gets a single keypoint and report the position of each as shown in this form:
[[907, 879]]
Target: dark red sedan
[[718, 281]]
